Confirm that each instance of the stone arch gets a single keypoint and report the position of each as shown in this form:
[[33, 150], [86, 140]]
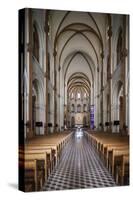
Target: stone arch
[[114, 47], [41, 43], [119, 47], [36, 44]]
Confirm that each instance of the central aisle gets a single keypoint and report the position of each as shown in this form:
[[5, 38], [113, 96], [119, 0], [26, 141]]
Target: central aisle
[[79, 167]]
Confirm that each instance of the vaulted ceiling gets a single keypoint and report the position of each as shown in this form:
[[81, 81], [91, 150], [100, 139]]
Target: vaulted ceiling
[[78, 41]]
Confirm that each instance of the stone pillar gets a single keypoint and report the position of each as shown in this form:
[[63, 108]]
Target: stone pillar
[[59, 96], [46, 74], [29, 49], [55, 92], [102, 89], [64, 122], [123, 74], [97, 111], [110, 75], [65, 116], [121, 112]]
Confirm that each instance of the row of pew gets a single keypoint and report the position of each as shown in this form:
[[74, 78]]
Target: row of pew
[[113, 149], [38, 157]]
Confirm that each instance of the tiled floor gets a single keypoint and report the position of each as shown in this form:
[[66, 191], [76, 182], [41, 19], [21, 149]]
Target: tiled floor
[[79, 167]]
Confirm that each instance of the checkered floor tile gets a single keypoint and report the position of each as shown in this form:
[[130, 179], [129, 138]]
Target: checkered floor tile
[[79, 167]]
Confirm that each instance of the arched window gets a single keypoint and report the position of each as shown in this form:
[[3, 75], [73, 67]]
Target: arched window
[[78, 108], [119, 47], [78, 95], [35, 43], [72, 96]]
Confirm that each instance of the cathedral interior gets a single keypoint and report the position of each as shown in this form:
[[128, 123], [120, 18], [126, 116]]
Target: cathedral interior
[[73, 100]]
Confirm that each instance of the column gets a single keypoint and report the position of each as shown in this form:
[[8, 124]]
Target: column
[[59, 96], [102, 89], [110, 71], [30, 134], [46, 75], [123, 74], [55, 92]]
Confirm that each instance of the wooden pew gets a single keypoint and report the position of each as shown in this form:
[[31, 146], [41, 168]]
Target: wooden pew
[[122, 170], [112, 140], [110, 147], [56, 142], [59, 140], [39, 153], [114, 156], [50, 154], [102, 140], [32, 173], [114, 150], [42, 154], [38, 157], [54, 147]]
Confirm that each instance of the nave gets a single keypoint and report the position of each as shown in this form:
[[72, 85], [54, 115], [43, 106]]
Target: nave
[[79, 167], [74, 74]]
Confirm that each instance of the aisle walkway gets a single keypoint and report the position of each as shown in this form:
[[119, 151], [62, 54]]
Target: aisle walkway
[[79, 167]]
